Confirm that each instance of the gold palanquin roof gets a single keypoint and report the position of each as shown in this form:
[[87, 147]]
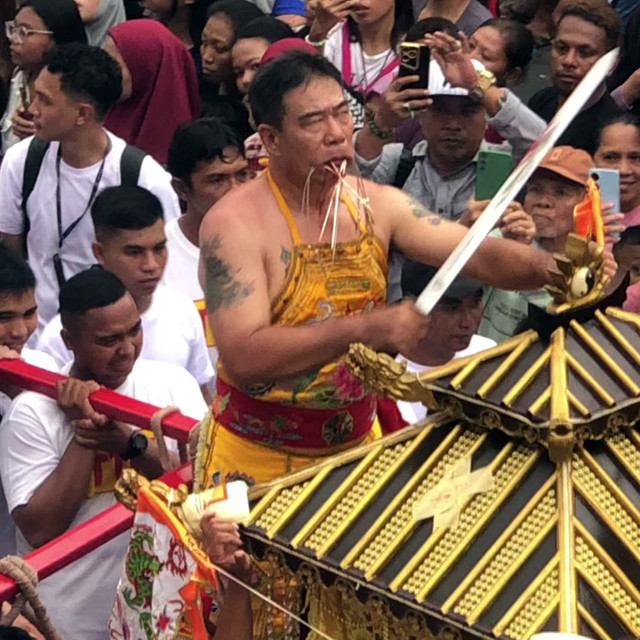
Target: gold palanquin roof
[[554, 545]]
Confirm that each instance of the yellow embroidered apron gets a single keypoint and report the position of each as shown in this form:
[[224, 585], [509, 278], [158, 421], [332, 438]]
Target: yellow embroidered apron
[[319, 285]]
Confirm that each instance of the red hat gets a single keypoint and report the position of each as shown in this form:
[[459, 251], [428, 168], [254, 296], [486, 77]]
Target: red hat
[[286, 44]]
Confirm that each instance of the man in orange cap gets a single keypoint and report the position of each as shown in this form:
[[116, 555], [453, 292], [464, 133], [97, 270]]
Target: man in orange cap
[[552, 193]]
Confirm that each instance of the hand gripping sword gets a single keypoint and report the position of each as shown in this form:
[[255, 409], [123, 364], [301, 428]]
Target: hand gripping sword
[[516, 181]]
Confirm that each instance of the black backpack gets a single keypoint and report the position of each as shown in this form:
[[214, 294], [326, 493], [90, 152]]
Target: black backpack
[[130, 165], [405, 167]]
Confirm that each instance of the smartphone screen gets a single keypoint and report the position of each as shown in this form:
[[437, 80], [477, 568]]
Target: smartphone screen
[[608, 180]]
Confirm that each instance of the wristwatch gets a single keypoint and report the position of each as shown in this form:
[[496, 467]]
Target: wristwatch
[[136, 446], [485, 81]]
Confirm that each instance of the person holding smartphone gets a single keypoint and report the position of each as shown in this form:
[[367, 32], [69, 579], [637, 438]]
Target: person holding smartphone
[[619, 148]]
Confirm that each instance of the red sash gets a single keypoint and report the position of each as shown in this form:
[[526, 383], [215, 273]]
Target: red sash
[[281, 425]]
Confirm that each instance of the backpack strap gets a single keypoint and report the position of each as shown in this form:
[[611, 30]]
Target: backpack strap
[[405, 167], [35, 157], [130, 165]]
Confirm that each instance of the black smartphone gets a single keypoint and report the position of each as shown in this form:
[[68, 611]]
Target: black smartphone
[[414, 61]]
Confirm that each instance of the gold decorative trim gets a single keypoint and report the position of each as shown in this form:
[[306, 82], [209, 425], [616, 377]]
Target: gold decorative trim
[[355, 494], [484, 356], [279, 505], [626, 448], [590, 381], [462, 376], [400, 525], [617, 337], [625, 316], [506, 365], [302, 498], [346, 456], [381, 520], [264, 503], [514, 393], [607, 580], [434, 558], [509, 552], [361, 503], [540, 402], [559, 400], [593, 623], [610, 503], [568, 610], [606, 359], [302, 535], [577, 405], [537, 599]]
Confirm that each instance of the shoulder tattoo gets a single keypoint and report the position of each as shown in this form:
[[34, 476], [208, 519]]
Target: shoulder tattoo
[[420, 211], [222, 288]]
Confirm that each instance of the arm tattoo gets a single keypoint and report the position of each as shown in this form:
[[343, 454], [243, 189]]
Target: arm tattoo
[[221, 288], [419, 211]]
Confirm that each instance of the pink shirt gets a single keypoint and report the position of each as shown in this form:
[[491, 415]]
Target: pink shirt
[[632, 219]]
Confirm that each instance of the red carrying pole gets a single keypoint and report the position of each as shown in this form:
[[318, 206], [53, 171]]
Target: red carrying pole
[[95, 532], [113, 405], [84, 538]]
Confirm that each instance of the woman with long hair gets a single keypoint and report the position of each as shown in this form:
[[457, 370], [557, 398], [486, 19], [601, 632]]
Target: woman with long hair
[[39, 26], [160, 86], [619, 148], [184, 18], [360, 37]]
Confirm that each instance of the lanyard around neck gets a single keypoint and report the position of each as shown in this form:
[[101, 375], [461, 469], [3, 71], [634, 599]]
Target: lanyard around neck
[[63, 234]]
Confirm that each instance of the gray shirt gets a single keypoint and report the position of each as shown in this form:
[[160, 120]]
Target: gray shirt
[[110, 14], [448, 195]]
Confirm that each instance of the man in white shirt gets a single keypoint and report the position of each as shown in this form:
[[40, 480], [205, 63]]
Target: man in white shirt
[[131, 242], [60, 460], [206, 159], [73, 93], [452, 328], [18, 320]]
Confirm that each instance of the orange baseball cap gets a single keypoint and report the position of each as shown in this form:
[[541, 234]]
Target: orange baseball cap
[[568, 162]]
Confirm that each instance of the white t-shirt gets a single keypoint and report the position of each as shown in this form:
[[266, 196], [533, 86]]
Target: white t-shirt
[[75, 188], [7, 527], [413, 412], [33, 438], [171, 332], [369, 75], [181, 273]]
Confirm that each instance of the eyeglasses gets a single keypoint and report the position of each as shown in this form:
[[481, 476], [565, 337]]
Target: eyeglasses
[[22, 33]]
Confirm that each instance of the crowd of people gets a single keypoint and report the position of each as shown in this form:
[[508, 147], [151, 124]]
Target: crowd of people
[[203, 203]]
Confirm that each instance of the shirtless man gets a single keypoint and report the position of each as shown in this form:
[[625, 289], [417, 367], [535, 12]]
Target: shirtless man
[[284, 308]]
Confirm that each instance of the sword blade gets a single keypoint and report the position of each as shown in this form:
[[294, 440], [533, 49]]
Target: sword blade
[[459, 257]]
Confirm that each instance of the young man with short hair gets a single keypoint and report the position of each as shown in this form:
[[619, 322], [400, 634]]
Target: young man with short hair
[[206, 161], [131, 242], [61, 459], [18, 321], [76, 159], [585, 31], [452, 331]]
